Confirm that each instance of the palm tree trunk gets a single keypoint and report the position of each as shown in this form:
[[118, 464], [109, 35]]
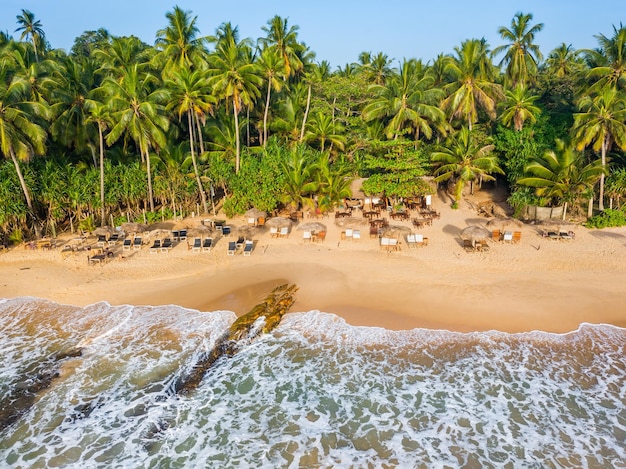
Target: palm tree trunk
[[195, 165], [306, 113], [200, 139], [102, 215], [237, 146], [149, 172], [29, 203], [267, 108], [605, 144]]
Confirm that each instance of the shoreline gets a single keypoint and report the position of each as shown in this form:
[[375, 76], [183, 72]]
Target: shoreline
[[536, 285]]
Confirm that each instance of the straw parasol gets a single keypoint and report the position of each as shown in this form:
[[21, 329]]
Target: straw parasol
[[503, 222], [312, 226], [557, 223], [199, 231], [133, 227], [395, 231], [159, 233], [278, 222], [103, 230], [475, 232], [255, 213], [350, 222]]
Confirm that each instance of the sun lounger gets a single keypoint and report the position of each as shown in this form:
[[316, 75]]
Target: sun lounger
[[508, 237], [356, 235], [348, 233], [469, 245], [307, 236], [156, 246], [197, 245], [102, 240], [175, 235], [137, 242], [567, 235], [232, 247], [207, 244], [420, 241], [182, 235], [274, 232], [517, 237], [247, 250], [496, 235], [240, 242], [226, 230], [166, 245], [127, 244], [410, 240], [320, 237], [284, 232]]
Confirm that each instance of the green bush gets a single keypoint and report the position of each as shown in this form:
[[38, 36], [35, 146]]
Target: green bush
[[607, 219]]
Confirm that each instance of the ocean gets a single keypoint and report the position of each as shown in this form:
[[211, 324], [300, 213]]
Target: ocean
[[314, 393]]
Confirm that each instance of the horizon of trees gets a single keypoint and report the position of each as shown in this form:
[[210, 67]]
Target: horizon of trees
[[117, 129]]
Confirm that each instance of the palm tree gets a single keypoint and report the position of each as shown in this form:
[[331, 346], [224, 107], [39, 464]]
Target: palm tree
[[464, 160], [285, 40], [322, 129], [234, 77], [178, 44], [521, 56], [563, 61], [21, 132], [299, 180], [188, 96], [136, 110], [472, 87], [273, 69], [611, 60], [31, 28], [407, 98], [98, 114], [378, 70], [519, 107], [601, 124], [559, 174]]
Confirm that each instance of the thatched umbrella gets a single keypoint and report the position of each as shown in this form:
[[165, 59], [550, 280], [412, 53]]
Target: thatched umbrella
[[159, 233], [394, 231], [475, 232], [312, 226], [103, 231], [557, 223], [133, 227], [199, 231], [255, 213], [350, 222], [278, 222]]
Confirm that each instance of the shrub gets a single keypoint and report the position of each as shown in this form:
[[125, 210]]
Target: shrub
[[607, 219]]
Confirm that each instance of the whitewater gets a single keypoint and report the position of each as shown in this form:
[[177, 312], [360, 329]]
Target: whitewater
[[316, 392]]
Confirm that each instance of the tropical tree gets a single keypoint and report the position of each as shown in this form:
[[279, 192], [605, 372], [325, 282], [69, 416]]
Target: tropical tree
[[610, 59], [299, 178], [234, 77], [518, 108], [563, 61], [521, 56], [32, 29], [284, 39], [188, 96], [136, 111], [322, 129], [98, 114], [22, 134], [472, 87], [464, 160], [272, 67], [601, 124], [561, 174]]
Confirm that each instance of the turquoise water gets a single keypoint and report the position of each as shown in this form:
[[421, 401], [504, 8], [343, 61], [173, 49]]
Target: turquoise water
[[314, 393]]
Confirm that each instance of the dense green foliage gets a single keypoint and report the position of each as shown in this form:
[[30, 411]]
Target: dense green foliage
[[116, 129]]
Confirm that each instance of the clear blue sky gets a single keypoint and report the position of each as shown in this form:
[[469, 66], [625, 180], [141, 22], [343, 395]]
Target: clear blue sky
[[337, 30]]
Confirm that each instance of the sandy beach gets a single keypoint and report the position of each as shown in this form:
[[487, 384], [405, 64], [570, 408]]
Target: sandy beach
[[536, 284]]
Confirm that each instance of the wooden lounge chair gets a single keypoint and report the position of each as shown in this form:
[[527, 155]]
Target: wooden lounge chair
[[469, 245], [507, 237], [102, 240], [197, 245], [232, 247], [207, 244], [320, 237], [356, 235], [567, 235], [156, 246], [481, 245], [420, 241], [348, 233], [127, 244], [517, 237], [175, 235], [137, 242], [166, 245], [182, 235], [247, 250], [307, 236], [284, 232], [496, 235], [273, 232], [226, 230]]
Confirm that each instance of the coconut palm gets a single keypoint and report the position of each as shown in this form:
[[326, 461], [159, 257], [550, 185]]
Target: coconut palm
[[22, 134], [563, 61], [234, 77], [561, 174], [188, 96], [178, 43], [472, 87], [519, 107], [521, 56], [322, 129], [299, 183], [99, 114], [272, 67], [378, 69], [136, 111], [284, 39], [407, 99], [464, 160], [610, 58], [601, 124], [32, 29]]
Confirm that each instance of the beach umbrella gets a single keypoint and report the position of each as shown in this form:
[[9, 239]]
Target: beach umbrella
[[556, 223], [199, 231], [103, 230], [475, 232], [278, 222], [133, 227], [255, 213], [159, 233], [394, 231], [312, 226], [349, 222]]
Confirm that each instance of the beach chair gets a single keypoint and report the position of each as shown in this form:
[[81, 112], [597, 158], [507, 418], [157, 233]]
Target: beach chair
[[356, 235], [469, 245], [182, 235], [175, 235], [137, 242], [166, 245], [507, 237], [156, 246], [517, 237], [273, 232], [496, 235], [102, 240], [320, 237], [394, 245], [410, 241], [284, 232], [566, 235], [197, 245], [226, 230], [307, 236], [247, 250], [373, 231], [348, 233], [251, 221], [207, 244], [240, 242], [384, 243], [232, 247], [420, 241], [127, 244]]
